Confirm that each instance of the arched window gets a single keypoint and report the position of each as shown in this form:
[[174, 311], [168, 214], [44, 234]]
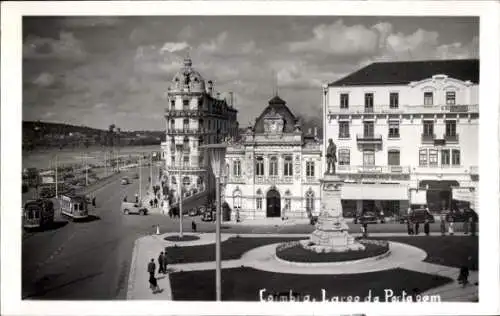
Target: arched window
[[259, 166], [237, 198], [237, 168], [288, 167], [273, 166], [310, 200], [288, 200], [186, 181], [258, 200]]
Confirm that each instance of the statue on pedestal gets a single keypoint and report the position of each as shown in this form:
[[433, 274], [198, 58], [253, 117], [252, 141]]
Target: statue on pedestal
[[331, 157]]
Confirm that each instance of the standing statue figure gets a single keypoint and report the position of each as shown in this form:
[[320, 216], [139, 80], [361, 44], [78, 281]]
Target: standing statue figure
[[331, 157]]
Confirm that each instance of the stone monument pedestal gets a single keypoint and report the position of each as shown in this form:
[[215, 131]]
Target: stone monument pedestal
[[331, 234]]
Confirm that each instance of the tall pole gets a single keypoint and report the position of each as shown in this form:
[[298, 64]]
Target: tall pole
[[180, 203], [217, 240], [56, 180], [86, 171], [105, 165], [151, 171], [140, 180]]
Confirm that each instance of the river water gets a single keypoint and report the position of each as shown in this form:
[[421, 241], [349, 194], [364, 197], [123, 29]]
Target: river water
[[43, 159]]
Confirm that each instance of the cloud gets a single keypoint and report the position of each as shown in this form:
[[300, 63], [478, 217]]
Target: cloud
[[93, 21], [339, 39], [214, 45], [225, 46], [66, 47], [45, 79], [100, 106], [174, 47]]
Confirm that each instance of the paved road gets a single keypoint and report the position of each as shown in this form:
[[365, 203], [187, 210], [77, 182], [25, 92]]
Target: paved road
[[87, 260]]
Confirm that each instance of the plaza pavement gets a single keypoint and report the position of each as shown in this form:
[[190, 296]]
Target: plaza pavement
[[262, 258]]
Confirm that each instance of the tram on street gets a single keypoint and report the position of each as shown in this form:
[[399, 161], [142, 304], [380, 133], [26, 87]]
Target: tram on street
[[74, 206], [38, 214]]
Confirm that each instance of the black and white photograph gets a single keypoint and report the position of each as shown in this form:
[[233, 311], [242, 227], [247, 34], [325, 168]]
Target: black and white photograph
[[181, 157]]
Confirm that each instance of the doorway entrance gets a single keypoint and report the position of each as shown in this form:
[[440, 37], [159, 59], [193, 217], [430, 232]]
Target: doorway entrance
[[273, 200]]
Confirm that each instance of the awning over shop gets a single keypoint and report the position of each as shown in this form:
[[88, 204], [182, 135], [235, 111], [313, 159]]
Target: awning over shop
[[444, 185], [466, 195], [418, 197], [355, 191]]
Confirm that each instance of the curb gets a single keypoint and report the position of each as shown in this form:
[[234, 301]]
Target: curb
[[131, 275]]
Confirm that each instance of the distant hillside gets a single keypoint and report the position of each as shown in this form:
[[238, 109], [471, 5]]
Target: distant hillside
[[46, 134]]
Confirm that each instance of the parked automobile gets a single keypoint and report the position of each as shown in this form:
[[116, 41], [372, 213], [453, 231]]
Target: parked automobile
[[133, 208], [420, 215], [193, 212], [460, 217], [208, 216], [368, 218], [125, 181]]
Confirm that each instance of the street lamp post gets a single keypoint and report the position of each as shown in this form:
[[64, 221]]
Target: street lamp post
[[179, 189], [217, 153]]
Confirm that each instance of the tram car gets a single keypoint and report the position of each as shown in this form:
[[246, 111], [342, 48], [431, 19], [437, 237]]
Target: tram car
[[38, 214], [74, 207]]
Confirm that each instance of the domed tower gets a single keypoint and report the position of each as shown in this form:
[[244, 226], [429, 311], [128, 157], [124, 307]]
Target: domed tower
[[194, 117]]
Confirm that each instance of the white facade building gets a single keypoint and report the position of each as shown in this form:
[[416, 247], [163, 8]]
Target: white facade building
[[403, 131], [195, 116], [275, 170]]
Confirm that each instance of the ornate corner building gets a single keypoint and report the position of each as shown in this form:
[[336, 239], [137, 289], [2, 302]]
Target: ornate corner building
[[406, 134], [275, 169], [195, 115]]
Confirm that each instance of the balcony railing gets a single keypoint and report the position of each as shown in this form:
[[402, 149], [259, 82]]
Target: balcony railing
[[369, 138], [188, 131], [273, 180], [236, 179], [183, 113], [428, 138], [406, 109], [184, 167], [373, 169], [451, 138]]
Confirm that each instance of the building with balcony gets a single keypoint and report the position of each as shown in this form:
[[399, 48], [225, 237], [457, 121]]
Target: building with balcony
[[404, 130], [275, 169], [195, 115]]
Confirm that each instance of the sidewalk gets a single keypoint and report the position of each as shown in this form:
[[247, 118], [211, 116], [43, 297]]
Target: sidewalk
[[149, 247]]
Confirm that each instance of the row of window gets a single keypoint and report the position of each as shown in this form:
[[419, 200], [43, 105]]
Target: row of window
[[273, 167], [394, 99], [186, 181], [215, 124], [309, 197], [185, 160], [427, 157], [393, 128]]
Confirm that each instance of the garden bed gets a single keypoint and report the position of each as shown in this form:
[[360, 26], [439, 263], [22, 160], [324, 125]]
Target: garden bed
[[294, 252], [184, 238]]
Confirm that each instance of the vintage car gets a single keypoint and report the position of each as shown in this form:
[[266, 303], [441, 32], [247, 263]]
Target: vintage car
[[74, 206], [125, 181], [133, 208], [38, 214], [194, 212]]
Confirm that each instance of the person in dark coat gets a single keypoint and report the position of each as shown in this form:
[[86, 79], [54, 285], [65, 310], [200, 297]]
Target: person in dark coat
[[426, 227], [365, 229], [193, 226], [125, 199], [165, 261], [409, 227], [152, 268], [442, 225], [417, 226], [472, 226], [156, 202], [161, 258], [153, 284], [463, 277], [93, 202]]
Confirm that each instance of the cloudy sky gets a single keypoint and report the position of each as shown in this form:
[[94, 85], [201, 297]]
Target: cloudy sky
[[103, 70]]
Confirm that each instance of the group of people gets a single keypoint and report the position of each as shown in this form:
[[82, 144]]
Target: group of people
[[414, 228], [162, 269], [154, 202], [468, 227]]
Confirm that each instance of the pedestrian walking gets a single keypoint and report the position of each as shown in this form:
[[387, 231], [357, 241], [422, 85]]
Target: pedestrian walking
[[156, 202], [165, 261], [463, 277], [160, 263], [93, 202], [466, 226], [170, 213], [365, 230], [450, 227], [151, 203], [153, 284], [193, 226], [472, 226], [417, 226], [426, 227], [443, 225], [125, 199], [409, 227], [152, 267]]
